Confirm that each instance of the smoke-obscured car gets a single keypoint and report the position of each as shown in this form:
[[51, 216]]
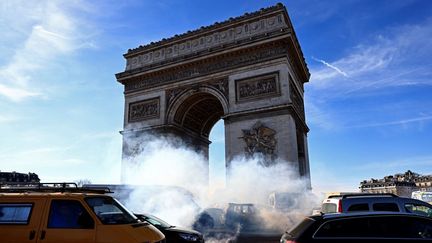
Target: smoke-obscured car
[[235, 217], [361, 227], [236, 222], [173, 234], [244, 217]]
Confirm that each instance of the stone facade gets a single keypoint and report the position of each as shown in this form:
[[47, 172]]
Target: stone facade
[[248, 71], [399, 184]]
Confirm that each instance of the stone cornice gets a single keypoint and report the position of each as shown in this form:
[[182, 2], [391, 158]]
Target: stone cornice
[[235, 32], [222, 62], [203, 54]]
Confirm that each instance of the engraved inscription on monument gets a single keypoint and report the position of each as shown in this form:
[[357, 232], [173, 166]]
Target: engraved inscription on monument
[[257, 87], [144, 110]]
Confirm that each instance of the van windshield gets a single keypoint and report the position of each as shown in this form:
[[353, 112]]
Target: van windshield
[[110, 211]]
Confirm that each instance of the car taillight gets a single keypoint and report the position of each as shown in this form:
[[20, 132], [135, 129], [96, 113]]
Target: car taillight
[[290, 241], [340, 206]]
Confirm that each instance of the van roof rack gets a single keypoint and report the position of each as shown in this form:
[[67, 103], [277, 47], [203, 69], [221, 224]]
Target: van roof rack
[[49, 187], [364, 195]]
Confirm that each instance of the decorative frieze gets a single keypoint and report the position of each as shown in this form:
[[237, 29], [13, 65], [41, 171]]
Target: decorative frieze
[[257, 87], [213, 65], [296, 99], [260, 140], [222, 37], [144, 110]]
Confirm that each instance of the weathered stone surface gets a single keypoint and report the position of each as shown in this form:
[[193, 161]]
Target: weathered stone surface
[[144, 110], [248, 71]]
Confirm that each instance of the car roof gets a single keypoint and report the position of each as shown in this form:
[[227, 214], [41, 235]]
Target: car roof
[[386, 199], [364, 213], [47, 194]]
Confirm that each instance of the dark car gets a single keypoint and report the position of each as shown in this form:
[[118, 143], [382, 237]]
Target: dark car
[[236, 217], [238, 222], [361, 227], [242, 217], [173, 234]]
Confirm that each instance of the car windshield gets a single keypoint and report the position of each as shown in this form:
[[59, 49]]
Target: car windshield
[[156, 221], [110, 211]]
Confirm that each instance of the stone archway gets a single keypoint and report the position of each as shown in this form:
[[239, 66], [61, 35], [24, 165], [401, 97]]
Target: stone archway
[[196, 110], [248, 70]]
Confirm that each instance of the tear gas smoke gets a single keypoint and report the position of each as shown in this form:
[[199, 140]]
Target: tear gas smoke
[[174, 185]]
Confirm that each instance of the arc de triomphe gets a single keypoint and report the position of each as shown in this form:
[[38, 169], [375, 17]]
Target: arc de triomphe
[[248, 71]]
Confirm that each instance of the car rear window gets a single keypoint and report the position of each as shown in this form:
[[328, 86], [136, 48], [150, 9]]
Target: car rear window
[[358, 207], [299, 228], [391, 207], [329, 208]]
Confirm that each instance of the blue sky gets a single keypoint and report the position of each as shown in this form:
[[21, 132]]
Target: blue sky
[[368, 102]]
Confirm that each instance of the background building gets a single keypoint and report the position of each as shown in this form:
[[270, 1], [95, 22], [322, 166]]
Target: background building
[[399, 184]]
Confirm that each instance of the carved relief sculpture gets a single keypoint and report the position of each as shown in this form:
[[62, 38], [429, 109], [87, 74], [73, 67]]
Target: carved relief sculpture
[[144, 110], [260, 140]]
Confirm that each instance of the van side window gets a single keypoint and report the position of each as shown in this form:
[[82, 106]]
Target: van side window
[[390, 207], [15, 213], [358, 207], [69, 214]]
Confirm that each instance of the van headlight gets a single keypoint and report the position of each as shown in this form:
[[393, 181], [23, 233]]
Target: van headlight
[[189, 237]]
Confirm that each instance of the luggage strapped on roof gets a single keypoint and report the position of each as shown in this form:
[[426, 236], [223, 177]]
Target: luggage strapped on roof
[[49, 187]]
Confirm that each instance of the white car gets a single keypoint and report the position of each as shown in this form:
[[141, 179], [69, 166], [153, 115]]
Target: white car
[[375, 202]]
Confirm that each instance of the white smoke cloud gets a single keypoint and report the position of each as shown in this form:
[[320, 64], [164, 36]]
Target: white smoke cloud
[[174, 184]]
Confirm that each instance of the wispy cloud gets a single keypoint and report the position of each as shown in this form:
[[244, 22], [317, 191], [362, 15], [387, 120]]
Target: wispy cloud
[[396, 123], [320, 116], [400, 57], [7, 119], [331, 66], [400, 164], [47, 31]]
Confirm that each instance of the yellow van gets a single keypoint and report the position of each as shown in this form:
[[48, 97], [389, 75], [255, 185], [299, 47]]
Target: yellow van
[[50, 212]]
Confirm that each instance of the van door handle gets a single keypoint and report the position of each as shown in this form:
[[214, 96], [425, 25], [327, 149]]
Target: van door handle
[[32, 235], [43, 234]]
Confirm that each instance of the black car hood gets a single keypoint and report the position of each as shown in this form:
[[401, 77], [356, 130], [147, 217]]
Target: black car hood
[[182, 230]]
